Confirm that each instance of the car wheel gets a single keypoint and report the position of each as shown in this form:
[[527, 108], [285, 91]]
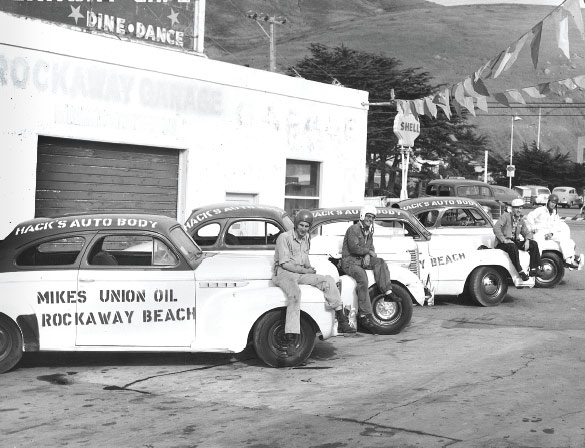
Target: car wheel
[[487, 286], [270, 343], [391, 317], [553, 270], [10, 344]]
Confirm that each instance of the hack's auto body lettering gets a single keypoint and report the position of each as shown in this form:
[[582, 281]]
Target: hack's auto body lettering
[[437, 203], [85, 223]]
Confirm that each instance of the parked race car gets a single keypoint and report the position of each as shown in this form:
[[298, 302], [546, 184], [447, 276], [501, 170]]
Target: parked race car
[[139, 283], [446, 267], [466, 221], [253, 230]]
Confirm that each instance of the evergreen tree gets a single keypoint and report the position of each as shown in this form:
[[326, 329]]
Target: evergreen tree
[[452, 141]]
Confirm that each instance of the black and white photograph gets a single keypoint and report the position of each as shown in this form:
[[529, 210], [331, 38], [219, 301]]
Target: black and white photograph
[[292, 223]]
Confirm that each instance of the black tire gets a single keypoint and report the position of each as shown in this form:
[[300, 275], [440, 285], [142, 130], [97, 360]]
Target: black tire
[[553, 270], [270, 343], [10, 344], [391, 317], [487, 286]]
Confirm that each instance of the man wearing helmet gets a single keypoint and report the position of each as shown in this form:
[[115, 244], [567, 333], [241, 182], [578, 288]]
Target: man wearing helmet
[[358, 254], [293, 268], [512, 234], [546, 224]]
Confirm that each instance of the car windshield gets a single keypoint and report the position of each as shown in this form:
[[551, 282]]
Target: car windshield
[[187, 246]]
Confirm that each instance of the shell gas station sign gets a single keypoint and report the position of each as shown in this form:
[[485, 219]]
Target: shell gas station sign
[[406, 128]]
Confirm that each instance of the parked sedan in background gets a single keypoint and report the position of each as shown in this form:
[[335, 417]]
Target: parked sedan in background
[[568, 197]]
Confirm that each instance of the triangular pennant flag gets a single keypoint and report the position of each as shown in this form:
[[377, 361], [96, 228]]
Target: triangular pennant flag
[[457, 107], [573, 7], [441, 99], [456, 102], [535, 43], [562, 26], [459, 93], [516, 96], [515, 50], [483, 71], [430, 107], [403, 107], [412, 108], [544, 88], [419, 106], [533, 92], [501, 98], [468, 88], [480, 88], [568, 83], [580, 81], [494, 63], [482, 103], [469, 105]]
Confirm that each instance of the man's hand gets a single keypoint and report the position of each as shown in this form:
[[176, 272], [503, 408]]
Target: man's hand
[[308, 270], [507, 241], [548, 236], [366, 260]]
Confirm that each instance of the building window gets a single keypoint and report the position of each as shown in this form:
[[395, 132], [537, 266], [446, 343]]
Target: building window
[[302, 185]]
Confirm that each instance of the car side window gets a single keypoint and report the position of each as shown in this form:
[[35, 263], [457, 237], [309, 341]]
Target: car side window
[[428, 218], [444, 191], [207, 235], [131, 250], [58, 252], [252, 233]]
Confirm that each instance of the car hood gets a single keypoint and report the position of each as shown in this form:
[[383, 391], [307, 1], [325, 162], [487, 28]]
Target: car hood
[[230, 266]]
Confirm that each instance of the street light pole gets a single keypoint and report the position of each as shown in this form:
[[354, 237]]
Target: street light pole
[[514, 118]]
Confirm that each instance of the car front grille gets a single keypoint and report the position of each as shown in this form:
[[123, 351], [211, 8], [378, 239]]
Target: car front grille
[[414, 266]]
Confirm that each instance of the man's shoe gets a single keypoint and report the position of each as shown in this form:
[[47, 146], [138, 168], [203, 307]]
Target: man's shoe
[[536, 272], [291, 340], [391, 297], [572, 265], [367, 323], [524, 276], [345, 327]]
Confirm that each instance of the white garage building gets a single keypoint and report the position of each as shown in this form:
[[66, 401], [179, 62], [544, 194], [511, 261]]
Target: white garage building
[[94, 123]]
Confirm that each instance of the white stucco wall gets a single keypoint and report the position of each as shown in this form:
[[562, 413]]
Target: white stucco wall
[[236, 126]]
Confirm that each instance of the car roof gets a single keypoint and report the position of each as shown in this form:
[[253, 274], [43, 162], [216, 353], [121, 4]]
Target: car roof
[[352, 213], [416, 205], [42, 227], [211, 212], [562, 188], [457, 181]]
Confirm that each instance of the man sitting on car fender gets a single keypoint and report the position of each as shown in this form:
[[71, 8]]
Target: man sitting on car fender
[[546, 224], [293, 268], [512, 234], [358, 254]]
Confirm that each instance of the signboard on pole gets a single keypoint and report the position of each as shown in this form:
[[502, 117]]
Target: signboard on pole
[[510, 170], [406, 128]]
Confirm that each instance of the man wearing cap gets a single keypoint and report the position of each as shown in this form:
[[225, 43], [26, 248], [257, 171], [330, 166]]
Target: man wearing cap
[[358, 254], [292, 268], [545, 224], [512, 235]]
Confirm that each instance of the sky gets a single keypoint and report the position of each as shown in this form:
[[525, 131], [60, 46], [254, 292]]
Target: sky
[[494, 2]]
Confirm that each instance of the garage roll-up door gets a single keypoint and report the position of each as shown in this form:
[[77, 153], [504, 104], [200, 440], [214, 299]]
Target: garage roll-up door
[[76, 176]]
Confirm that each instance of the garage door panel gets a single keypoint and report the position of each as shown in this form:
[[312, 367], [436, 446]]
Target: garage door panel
[[76, 176], [100, 171]]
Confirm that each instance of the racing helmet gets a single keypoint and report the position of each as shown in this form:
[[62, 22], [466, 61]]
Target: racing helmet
[[553, 198], [368, 209], [303, 216], [517, 202]]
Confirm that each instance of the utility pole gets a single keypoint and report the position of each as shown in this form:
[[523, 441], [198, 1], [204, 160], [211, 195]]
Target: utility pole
[[271, 20]]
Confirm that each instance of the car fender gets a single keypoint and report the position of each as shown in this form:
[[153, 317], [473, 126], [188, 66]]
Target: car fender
[[219, 328], [398, 275]]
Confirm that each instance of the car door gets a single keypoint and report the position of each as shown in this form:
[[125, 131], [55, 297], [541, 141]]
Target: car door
[[138, 290]]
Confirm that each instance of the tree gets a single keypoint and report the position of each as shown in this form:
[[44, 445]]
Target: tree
[[550, 167], [452, 141]]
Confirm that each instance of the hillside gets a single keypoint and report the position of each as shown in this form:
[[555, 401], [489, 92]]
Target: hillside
[[447, 42]]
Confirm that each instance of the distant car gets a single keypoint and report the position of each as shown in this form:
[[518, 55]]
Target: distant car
[[568, 196], [524, 193], [505, 194], [466, 222], [538, 194], [474, 189], [75, 284]]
